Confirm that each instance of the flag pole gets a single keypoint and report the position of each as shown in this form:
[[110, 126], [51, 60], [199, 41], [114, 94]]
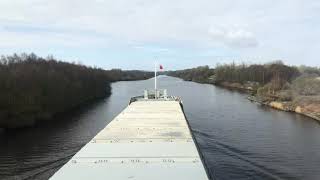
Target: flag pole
[[155, 79]]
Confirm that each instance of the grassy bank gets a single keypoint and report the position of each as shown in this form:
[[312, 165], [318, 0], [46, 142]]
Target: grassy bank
[[287, 88], [35, 89]]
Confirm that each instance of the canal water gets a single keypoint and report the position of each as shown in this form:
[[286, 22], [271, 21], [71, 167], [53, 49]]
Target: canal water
[[238, 139]]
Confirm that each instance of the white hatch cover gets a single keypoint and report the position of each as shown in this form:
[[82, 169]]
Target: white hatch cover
[[149, 140]]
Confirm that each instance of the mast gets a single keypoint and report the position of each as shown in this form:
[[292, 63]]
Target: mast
[[155, 80]]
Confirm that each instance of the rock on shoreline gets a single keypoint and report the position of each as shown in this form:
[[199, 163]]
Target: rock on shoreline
[[310, 110]]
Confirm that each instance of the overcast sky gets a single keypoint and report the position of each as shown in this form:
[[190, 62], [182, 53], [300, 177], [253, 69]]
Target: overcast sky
[[130, 34]]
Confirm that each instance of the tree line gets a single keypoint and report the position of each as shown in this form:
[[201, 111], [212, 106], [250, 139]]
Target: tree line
[[199, 74], [276, 73], [35, 88], [274, 79]]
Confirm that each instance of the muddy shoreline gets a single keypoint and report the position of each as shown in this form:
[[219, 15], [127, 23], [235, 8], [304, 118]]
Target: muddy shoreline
[[288, 106]]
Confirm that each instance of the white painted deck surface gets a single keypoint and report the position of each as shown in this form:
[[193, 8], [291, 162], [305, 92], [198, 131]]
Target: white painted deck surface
[[149, 140]]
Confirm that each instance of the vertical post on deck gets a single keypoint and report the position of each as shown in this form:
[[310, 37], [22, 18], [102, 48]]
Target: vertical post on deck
[[155, 79]]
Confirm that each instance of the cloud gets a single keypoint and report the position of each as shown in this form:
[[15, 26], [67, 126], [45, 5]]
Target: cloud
[[233, 36], [152, 49], [269, 29], [135, 20]]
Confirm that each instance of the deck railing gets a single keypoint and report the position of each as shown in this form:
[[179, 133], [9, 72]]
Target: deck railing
[[151, 95]]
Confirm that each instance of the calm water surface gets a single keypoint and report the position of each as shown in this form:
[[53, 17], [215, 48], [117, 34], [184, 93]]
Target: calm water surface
[[239, 139]]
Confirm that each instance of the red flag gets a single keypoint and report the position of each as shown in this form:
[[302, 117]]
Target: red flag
[[161, 67]]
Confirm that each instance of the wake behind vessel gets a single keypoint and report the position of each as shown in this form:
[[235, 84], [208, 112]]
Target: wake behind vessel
[[150, 139]]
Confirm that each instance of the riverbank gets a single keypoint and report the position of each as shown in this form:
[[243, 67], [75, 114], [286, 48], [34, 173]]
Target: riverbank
[[237, 86], [283, 87], [308, 109], [306, 106]]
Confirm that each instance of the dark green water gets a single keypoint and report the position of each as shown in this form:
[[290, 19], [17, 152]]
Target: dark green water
[[239, 139]]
